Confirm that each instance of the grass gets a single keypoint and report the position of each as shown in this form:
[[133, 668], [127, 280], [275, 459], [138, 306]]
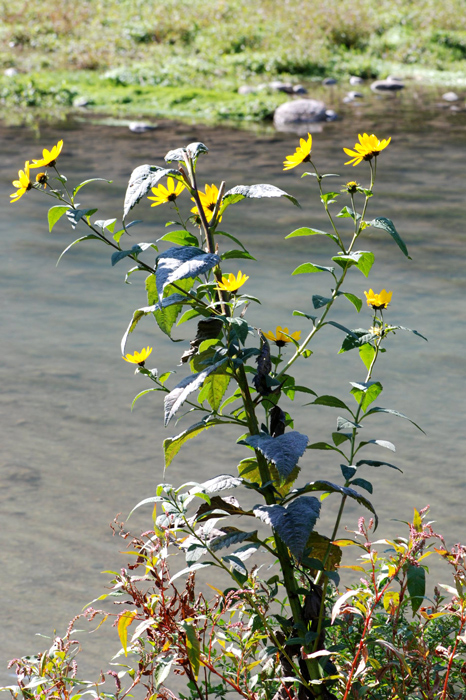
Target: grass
[[186, 58]]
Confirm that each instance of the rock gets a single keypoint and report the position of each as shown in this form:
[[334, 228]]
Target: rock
[[281, 87], [355, 80], [299, 112], [352, 95], [329, 81], [140, 127], [80, 102], [299, 90], [10, 72], [450, 97], [390, 84], [246, 90], [330, 115]]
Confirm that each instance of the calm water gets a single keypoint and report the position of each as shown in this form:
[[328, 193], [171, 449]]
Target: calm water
[[73, 455]]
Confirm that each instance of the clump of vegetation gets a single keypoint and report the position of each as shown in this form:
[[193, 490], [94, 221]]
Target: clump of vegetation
[[217, 46]]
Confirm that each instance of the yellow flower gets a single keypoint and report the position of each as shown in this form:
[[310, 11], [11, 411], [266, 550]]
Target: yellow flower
[[281, 336], [168, 193], [232, 283], [378, 301], [48, 157], [351, 187], [42, 179], [139, 357], [302, 154], [368, 147], [208, 202], [23, 184]]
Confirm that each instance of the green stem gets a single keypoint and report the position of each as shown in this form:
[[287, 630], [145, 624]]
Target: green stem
[[319, 182]]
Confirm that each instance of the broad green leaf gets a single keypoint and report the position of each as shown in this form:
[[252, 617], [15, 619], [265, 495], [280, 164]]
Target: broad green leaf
[[355, 339], [233, 238], [175, 399], [177, 264], [180, 238], [214, 389], [305, 231], [293, 524], [192, 151], [193, 647], [379, 409], [363, 483], [240, 192], [134, 251], [365, 395], [367, 353], [377, 463], [329, 197], [123, 623], [356, 301], [307, 268], [416, 586], [339, 438], [187, 316], [78, 240], [319, 301], [362, 259], [387, 225], [86, 182], [301, 313], [348, 212], [142, 179], [167, 314], [74, 216], [55, 214], [236, 254], [330, 487], [172, 445], [284, 450]]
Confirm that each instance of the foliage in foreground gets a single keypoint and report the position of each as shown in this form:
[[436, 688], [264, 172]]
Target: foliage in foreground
[[284, 627]]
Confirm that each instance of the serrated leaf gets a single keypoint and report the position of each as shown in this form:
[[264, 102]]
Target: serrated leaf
[[307, 268], [236, 194], [305, 231], [293, 524], [172, 445], [192, 150], [54, 214], [142, 179], [214, 389], [180, 238], [180, 263], [387, 225], [284, 450], [329, 487], [175, 399]]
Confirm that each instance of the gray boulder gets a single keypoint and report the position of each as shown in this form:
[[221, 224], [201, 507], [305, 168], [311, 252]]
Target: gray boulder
[[390, 84], [450, 97], [299, 112], [329, 81]]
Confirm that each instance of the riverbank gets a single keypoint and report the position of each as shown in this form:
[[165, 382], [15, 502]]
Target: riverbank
[[188, 60]]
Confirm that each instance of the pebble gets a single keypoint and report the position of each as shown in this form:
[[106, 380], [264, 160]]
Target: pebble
[[355, 80], [450, 97], [140, 127], [329, 81], [80, 102], [390, 84]]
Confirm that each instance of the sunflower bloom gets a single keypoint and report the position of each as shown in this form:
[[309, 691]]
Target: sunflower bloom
[[351, 187], [42, 179], [168, 193], [368, 147], [23, 183], [208, 202], [48, 157], [282, 336], [378, 301], [138, 358], [301, 155], [232, 283]]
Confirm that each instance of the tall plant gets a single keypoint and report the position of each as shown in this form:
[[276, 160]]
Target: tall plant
[[264, 636]]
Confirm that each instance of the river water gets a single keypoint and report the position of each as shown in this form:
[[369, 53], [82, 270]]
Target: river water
[[74, 455]]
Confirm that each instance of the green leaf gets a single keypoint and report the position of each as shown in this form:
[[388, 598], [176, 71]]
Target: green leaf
[[236, 194], [363, 483], [193, 151], [232, 238], [74, 216], [172, 445], [319, 301], [86, 182], [366, 353], [134, 251], [410, 330], [303, 315], [329, 487], [387, 225], [124, 622], [177, 396], [324, 446], [321, 177], [339, 438], [166, 316], [187, 316], [362, 259], [193, 647], [306, 268], [356, 301], [348, 212], [329, 197], [365, 394], [180, 238], [377, 463], [214, 389], [379, 409], [142, 179], [416, 580], [305, 231], [234, 254], [78, 240], [55, 214], [333, 401]]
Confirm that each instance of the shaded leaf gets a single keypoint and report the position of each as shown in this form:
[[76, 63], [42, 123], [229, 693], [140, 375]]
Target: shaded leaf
[[284, 451], [416, 586], [377, 463], [78, 240], [172, 445], [318, 301], [175, 399], [362, 259], [293, 524], [192, 150], [74, 216], [379, 409], [327, 400], [135, 250], [329, 487], [387, 225]]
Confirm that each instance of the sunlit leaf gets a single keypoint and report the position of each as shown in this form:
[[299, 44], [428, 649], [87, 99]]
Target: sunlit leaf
[[55, 213], [179, 263], [123, 623], [175, 399], [142, 179]]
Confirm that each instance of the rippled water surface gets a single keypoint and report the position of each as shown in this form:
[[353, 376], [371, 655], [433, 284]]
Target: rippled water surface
[[73, 455]]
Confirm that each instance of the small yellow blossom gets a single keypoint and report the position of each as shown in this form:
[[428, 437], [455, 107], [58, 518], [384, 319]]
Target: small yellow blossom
[[232, 283], [351, 187], [23, 183], [280, 338], [368, 147], [48, 157], [168, 193], [208, 202], [302, 154], [378, 301], [139, 357]]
